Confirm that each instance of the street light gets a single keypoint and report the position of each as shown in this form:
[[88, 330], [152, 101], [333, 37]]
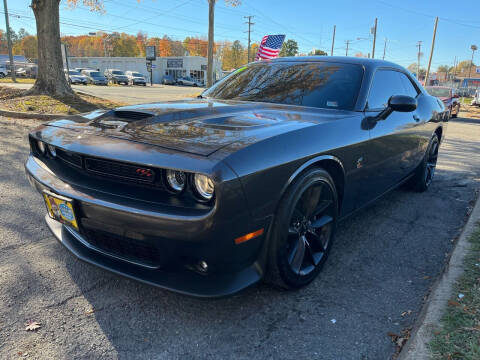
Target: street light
[[474, 48]]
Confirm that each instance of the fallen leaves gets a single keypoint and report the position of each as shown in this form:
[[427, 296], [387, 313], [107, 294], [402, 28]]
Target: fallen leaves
[[32, 325], [405, 313], [400, 339]]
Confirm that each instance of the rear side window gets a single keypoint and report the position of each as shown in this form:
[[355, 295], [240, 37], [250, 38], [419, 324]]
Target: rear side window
[[387, 83], [409, 88]]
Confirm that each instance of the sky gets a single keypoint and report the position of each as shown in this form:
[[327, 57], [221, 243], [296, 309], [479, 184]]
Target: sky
[[309, 22]]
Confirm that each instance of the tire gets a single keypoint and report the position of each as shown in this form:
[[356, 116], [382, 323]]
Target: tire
[[303, 230], [424, 173], [2, 75]]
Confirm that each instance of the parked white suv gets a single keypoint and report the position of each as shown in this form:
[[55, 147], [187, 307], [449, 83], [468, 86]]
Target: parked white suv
[[476, 98], [135, 78]]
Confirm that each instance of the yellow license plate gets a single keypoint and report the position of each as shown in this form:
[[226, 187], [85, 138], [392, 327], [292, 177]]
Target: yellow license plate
[[60, 208]]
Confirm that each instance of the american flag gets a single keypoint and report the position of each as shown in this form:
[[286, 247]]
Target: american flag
[[270, 47]]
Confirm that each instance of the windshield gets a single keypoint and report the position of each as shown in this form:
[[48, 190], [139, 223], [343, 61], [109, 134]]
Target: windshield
[[137, 75], [317, 84], [118, 73], [438, 92], [73, 72], [95, 74]]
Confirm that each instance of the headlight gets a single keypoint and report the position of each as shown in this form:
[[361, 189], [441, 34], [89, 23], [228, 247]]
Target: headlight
[[41, 147], [203, 186], [52, 150], [176, 180]]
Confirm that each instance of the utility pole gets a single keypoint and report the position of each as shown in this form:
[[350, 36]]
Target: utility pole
[[474, 48], [374, 38], [9, 42], [454, 67], [419, 45], [249, 22], [333, 39], [431, 51], [348, 44], [384, 49]]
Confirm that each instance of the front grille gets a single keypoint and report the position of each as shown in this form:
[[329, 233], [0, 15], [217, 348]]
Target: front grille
[[138, 251], [120, 170], [70, 158]]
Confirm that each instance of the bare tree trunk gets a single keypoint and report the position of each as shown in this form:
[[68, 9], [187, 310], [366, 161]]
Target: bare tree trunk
[[211, 12], [51, 79]]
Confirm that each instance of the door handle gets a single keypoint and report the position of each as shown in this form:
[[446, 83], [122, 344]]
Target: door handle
[[416, 118]]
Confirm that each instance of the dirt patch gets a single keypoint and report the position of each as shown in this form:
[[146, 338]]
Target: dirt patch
[[14, 100], [470, 111]]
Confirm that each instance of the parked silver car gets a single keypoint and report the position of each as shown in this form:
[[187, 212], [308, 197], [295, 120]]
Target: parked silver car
[[188, 81], [95, 77], [75, 77], [135, 78]]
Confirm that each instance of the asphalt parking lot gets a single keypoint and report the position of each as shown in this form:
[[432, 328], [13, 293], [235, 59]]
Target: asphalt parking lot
[[132, 94], [383, 263]]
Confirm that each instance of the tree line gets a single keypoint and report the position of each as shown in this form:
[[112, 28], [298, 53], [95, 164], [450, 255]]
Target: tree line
[[232, 54]]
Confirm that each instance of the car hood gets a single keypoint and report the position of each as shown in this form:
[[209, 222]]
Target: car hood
[[200, 126]]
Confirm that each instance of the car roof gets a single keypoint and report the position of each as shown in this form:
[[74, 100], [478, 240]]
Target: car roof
[[338, 59]]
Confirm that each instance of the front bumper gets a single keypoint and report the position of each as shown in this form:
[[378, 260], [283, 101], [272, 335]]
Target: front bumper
[[173, 229]]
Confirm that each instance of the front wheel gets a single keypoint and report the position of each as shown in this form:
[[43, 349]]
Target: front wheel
[[303, 230], [423, 176]]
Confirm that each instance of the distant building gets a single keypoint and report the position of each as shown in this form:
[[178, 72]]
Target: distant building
[[176, 66]]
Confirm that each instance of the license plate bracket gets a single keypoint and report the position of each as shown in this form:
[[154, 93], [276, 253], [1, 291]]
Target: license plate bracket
[[60, 208]]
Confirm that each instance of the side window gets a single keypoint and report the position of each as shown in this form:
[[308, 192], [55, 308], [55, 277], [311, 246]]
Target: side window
[[409, 88], [386, 83]]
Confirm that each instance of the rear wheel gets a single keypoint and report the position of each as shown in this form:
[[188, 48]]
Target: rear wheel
[[303, 230], [425, 172]]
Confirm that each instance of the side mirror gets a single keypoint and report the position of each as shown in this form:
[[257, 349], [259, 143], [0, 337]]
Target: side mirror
[[402, 103]]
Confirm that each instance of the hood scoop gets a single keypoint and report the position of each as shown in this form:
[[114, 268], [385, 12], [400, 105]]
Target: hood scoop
[[129, 115]]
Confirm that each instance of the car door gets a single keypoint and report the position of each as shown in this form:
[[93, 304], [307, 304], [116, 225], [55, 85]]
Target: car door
[[394, 143]]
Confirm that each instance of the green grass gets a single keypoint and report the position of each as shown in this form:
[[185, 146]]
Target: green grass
[[459, 336]]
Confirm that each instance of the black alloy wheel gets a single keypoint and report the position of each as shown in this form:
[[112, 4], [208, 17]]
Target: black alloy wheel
[[432, 157], [303, 230], [423, 175]]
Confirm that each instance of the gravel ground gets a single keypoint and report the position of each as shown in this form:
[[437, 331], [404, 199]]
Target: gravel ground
[[383, 263]]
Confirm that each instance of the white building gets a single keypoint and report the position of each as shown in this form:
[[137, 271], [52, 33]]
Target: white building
[[176, 66]]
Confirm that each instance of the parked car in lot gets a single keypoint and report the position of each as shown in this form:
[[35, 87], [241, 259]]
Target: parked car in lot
[[168, 80], [136, 78], [476, 98], [95, 77], [74, 77], [448, 96], [188, 81], [207, 196], [21, 72], [3, 71], [116, 76]]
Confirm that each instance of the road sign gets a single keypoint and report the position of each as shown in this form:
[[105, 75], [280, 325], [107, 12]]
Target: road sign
[[149, 66], [151, 53], [478, 70]]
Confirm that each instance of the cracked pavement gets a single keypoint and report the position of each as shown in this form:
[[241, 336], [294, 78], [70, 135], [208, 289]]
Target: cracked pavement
[[383, 263]]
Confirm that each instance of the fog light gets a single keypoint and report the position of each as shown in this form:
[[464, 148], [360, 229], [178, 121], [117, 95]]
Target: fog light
[[41, 146], [202, 266]]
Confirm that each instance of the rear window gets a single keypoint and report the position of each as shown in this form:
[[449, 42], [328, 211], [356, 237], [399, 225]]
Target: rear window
[[95, 74], [137, 75], [118, 73], [316, 84]]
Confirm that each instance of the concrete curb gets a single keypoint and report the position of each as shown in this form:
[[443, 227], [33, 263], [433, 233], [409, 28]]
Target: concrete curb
[[23, 115], [416, 347]]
